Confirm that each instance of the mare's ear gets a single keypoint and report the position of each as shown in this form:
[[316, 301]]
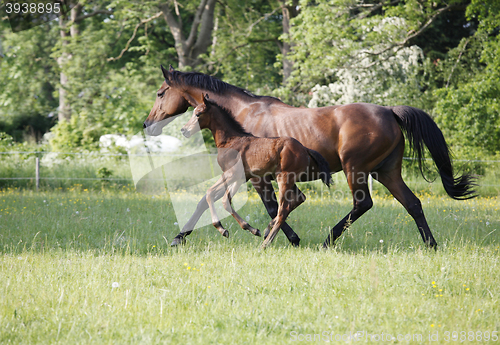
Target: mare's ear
[[170, 68], [167, 74]]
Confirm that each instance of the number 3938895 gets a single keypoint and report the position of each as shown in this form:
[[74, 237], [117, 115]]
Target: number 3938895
[[32, 7]]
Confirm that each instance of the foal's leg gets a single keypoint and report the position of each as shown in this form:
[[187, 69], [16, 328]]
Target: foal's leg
[[284, 206], [226, 202], [211, 203], [357, 179], [265, 189], [200, 208], [296, 198]]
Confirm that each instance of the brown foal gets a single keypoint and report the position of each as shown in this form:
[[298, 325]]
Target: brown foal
[[283, 158]]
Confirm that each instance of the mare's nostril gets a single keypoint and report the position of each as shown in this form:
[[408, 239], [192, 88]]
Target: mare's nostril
[[144, 125]]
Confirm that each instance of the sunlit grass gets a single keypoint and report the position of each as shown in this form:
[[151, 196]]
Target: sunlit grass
[[85, 267]]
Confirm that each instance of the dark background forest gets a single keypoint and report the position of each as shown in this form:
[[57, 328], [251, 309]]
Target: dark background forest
[[95, 70]]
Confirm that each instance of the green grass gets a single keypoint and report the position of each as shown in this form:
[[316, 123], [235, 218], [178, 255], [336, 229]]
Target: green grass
[[57, 270]]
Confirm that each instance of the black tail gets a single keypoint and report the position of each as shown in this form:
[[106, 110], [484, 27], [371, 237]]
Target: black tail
[[324, 173], [420, 129]]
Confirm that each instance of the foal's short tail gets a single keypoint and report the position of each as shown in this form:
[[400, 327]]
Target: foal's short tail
[[325, 173], [420, 129]]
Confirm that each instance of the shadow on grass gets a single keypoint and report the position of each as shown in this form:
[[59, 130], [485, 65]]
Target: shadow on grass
[[132, 223]]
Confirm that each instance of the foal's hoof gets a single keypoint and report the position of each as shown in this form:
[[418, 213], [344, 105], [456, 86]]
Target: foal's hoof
[[225, 233], [177, 241], [256, 232], [266, 232]]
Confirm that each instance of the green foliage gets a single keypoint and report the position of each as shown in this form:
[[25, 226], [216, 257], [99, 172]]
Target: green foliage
[[27, 81], [246, 44], [104, 172], [77, 133], [342, 50], [469, 111], [6, 141]]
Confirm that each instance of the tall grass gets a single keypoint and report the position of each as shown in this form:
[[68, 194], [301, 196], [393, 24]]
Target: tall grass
[[95, 267]]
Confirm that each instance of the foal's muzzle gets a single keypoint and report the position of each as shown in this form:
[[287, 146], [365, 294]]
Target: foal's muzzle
[[185, 132]]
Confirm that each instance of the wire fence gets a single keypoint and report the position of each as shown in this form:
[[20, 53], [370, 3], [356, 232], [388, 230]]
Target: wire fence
[[36, 171]]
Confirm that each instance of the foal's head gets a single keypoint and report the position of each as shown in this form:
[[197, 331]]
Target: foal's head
[[200, 119]]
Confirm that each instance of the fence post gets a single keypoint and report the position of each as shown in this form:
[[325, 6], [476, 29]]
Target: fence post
[[37, 173]]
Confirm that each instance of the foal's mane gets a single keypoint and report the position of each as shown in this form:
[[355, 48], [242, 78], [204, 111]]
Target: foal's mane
[[229, 118], [209, 83]]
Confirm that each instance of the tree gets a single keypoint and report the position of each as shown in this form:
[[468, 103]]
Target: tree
[[342, 34], [69, 27], [28, 81], [246, 44], [468, 106], [190, 47]]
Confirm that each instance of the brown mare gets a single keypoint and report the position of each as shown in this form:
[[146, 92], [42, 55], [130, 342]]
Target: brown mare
[[284, 158], [359, 139]]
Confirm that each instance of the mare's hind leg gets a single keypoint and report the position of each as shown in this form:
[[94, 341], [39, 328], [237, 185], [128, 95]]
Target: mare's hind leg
[[226, 202], [265, 189], [362, 201], [394, 183]]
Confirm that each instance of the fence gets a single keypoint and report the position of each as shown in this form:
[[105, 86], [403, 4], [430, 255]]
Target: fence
[[116, 168], [31, 166]]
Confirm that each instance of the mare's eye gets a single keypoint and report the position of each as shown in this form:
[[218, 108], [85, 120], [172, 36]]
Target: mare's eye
[[161, 93]]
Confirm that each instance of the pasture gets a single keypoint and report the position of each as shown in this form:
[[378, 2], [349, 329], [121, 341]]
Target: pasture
[[80, 266]]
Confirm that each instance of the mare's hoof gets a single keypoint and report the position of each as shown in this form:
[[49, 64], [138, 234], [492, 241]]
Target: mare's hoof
[[225, 233], [177, 241], [295, 241]]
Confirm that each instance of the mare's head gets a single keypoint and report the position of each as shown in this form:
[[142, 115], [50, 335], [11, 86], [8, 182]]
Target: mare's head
[[200, 119], [170, 101]]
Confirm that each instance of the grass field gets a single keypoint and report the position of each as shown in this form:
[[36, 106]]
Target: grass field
[[81, 266]]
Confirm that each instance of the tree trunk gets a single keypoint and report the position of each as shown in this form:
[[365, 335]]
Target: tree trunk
[[288, 12], [189, 49], [76, 18], [64, 112]]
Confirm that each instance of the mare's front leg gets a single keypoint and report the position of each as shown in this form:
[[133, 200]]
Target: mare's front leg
[[200, 208], [226, 202], [265, 189], [358, 183]]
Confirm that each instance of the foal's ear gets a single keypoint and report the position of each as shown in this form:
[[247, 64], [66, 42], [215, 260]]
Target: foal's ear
[[205, 98], [170, 68]]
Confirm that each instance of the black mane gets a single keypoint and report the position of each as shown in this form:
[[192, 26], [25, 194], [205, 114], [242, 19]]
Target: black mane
[[209, 83], [230, 120]]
